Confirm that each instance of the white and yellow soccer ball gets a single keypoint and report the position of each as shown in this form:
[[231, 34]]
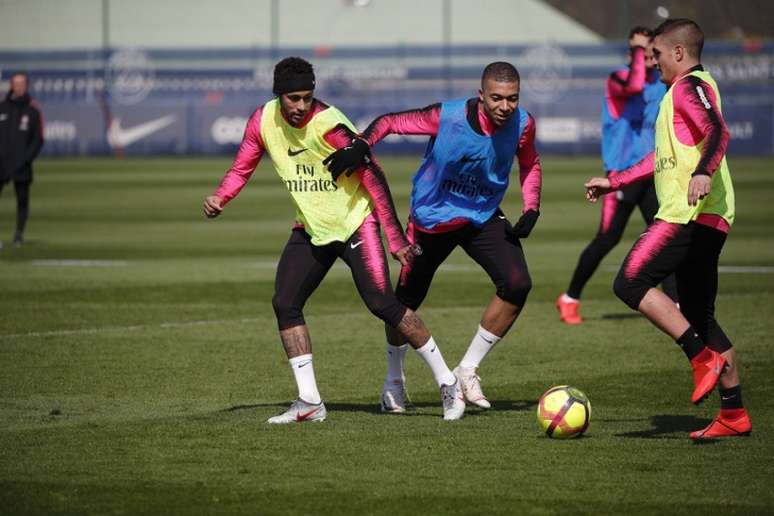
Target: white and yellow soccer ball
[[563, 412]]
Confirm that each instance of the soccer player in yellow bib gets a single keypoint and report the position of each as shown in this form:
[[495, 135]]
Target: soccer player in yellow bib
[[696, 211], [334, 219]]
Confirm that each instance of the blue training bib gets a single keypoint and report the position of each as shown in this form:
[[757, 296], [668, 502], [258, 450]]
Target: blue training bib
[[464, 174], [626, 140]]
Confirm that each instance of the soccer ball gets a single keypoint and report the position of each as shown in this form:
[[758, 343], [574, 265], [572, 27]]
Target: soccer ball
[[563, 412]]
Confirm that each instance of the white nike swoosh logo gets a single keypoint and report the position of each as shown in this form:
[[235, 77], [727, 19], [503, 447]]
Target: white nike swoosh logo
[[120, 137], [501, 216], [354, 245]]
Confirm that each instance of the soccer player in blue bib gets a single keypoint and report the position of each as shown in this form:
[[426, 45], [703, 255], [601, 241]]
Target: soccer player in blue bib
[[632, 97], [455, 201]]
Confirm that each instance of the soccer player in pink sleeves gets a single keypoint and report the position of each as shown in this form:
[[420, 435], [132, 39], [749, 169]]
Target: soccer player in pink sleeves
[[455, 201], [696, 211], [335, 218], [632, 96]]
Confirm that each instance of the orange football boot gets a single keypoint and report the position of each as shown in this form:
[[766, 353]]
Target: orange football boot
[[568, 310], [707, 367], [729, 423]]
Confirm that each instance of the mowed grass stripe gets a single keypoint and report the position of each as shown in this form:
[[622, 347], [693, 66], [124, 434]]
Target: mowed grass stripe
[[154, 397]]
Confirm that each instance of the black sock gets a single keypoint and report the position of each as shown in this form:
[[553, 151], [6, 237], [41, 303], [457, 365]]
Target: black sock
[[690, 342], [731, 398]]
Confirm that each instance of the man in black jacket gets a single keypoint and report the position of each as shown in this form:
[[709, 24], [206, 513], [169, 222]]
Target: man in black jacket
[[21, 138]]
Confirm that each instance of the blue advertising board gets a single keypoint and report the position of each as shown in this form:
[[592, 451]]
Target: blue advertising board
[[175, 102]]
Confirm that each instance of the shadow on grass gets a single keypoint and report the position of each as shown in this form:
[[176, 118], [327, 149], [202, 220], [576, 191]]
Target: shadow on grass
[[415, 409], [616, 317], [665, 424]]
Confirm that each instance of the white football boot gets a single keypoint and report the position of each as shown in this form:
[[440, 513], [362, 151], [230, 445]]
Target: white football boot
[[471, 386], [394, 397], [301, 411], [453, 401]]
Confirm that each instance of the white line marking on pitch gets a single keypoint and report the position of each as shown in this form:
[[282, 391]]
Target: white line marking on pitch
[[730, 269], [135, 327], [80, 263], [745, 269]]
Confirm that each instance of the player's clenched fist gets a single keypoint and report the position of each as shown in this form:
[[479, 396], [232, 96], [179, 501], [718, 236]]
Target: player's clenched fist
[[213, 205], [596, 187]]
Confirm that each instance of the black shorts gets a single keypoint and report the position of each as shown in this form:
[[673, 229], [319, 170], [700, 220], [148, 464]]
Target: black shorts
[[491, 246], [303, 266], [691, 251]]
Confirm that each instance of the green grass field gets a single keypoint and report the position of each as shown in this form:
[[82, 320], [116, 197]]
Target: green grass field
[[140, 360]]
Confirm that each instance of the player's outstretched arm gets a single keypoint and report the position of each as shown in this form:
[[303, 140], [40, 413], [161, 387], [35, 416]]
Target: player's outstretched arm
[[247, 158], [347, 159], [373, 179], [423, 121]]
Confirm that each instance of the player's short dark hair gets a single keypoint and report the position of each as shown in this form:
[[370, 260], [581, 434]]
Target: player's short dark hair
[[639, 29], [500, 71], [685, 32], [293, 74]]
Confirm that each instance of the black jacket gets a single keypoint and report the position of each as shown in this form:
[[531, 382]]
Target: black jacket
[[21, 138]]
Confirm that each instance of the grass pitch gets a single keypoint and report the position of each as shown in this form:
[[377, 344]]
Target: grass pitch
[[140, 360]]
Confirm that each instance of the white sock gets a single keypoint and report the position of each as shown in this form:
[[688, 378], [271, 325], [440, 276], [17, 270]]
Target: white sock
[[431, 354], [395, 357], [482, 343], [303, 370], [568, 299]]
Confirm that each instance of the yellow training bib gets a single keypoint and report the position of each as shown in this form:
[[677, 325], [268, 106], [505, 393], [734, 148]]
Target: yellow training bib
[[675, 162], [331, 211]]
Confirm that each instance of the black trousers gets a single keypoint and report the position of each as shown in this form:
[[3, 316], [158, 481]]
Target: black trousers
[[617, 207], [22, 204]]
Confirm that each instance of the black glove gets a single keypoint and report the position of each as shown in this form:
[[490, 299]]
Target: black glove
[[524, 225], [348, 158]]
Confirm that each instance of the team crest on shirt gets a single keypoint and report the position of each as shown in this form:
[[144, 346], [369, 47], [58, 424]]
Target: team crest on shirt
[[24, 125]]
